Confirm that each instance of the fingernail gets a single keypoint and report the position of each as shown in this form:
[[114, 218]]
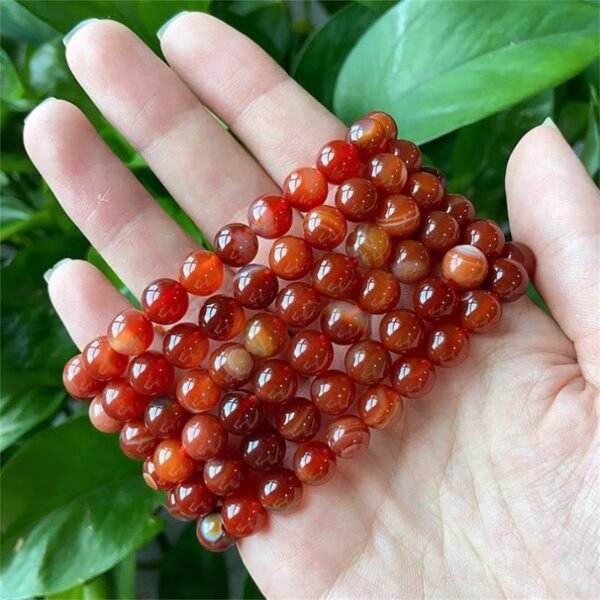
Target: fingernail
[[55, 268], [75, 29], [166, 24], [48, 99], [548, 122]]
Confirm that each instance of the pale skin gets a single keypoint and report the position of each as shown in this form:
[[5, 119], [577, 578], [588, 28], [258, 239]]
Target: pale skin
[[491, 485]]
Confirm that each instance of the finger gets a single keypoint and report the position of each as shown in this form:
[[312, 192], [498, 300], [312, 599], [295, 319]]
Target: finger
[[281, 124], [554, 207], [200, 163], [134, 235]]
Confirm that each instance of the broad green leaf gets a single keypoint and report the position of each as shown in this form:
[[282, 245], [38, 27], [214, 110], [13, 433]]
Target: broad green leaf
[[11, 89], [251, 591], [95, 589], [379, 5], [590, 155], [123, 578], [18, 24], [73, 506], [438, 66], [13, 209]]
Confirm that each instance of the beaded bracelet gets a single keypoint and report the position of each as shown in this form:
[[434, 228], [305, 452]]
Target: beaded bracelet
[[215, 437]]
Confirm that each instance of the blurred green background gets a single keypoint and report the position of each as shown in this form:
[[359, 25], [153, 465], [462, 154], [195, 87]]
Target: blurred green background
[[464, 78]]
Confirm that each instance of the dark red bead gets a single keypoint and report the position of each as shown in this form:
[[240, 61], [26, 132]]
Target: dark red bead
[[298, 304], [426, 190], [507, 279], [243, 514], [335, 276], [224, 474], [136, 441], [332, 392], [344, 322], [310, 352], [263, 450], [368, 135], [151, 374], [522, 254], [165, 417], [314, 463], [298, 420], [367, 362], [101, 362], [434, 298], [193, 498], [275, 381], [221, 318], [78, 381], [485, 235], [408, 152], [255, 286], [203, 437], [236, 244], [279, 490], [357, 199], [185, 346], [388, 173], [240, 412], [447, 345], [305, 188], [165, 301], [338, 161], [412, 376], [122, 402]]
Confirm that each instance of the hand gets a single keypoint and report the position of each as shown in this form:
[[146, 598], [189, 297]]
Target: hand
[[492, 486]]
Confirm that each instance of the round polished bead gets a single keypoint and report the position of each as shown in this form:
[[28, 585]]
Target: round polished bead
[[335, 276], [466, 266], [399, 215], [310, 352], [314, 463], [426, 190], [120, 401], [100, 419], [379, 405], [203, 437], [221, 318], [298, 420], [165, 301], [236, 244], [279, 490], [401, 330], [478, 311], [151, 478], [130, 332], [265, 335], [240, 412], [231, 366], [291, 257], [344, 322], [434, 298], [172, 507], [367, 362], [212, 535], [255, 286], [370, 245], [410, 262], [388, 173], [136, 441], [408, 152], [78, 381], [348, 436], [485, 235], [193, 498], [379, 292], [332, 392], [185, 346], [263, 450], [101, 362], [522, 254], [507, 279], [275, 381], [368, 135], [224, 474], [357, 199], [461, 208], [438, 175], [202, 273], [324, 227], [172, 462], [412, 376], [391, 129], [165, 417], [270, 216], [298, 304], [151, 374], [338, 160], [305, 188], [197, 392], [439, 232], [243, 514], [447, 345]]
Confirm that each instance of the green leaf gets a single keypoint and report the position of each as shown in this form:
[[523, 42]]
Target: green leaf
[[438, 66], [96, 589], [189, 571], [11, 89], [123, 577], [573, 119], [379, 5], [317, 65], [251, 591], [590, 155], [18, 24], [72, 507]]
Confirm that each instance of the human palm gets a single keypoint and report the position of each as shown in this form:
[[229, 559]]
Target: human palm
[[489, 486]]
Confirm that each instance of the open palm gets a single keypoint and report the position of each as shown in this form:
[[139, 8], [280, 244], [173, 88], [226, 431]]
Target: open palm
[[491, 485]]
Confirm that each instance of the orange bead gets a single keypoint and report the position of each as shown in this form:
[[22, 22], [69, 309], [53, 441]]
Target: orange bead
[[100, 419], [197, 392], [465, 265], [172, 463], [399, 215], [324, 227], [461, 208], [478, 311], [275, 381], [130, 332], [120, 401], [367, 362], [370, 245], [379, 292], [522, 254], [368, 136], [412, 376], [201, 273], [242, 514], [101, 361], [78, 382], [388, 122], [290, 257], [335, 276], [332, 392], [507, 279], [357, 199], [185, 346], [314, 463], [408, 152], [410, 262], [448, 345], [338, 160], [221, 318], [203, 437], [344, 322], [401, 330], [440, 231], [388, 173], [305, 188], [379, 405], [348, 436], [298, 304], [265, 335], [270, 216], [231, 366], [426, 190], [485, 235], [279, 490], [310, 352]]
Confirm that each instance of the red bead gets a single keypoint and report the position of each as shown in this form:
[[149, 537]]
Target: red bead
[[203, 437], [185, 346], [332, 392], [314, 463], [379, 405], [165, 417], [367, 362], [290, 257], [255, 286], [439, 232], [478, 311], [434, 298], [485, 235], [136, 441], [275, 381], [236, 244], [338, 161], [370, 245], [151, 478], [448, 345], [408, 152], [391, 129], [305, 188], [263, 450], [270, 216], [165, 301], [461, 208], [221, 318], [348, 437], [344, 322], [224, 475], [412, 376], [172, 462], [324, 227], [279, 490], [369, 136], [426, 190], [411, 261], [231, 366], [197, 392], [78, 382], [438, 175], [399, 215], [310, 352], [298, 420], [240, 412], [298, 304], [388, 173], [522, 254], [465, 266], [193, 498], [507, 279], [151, 374], [101, 362], [212, 535], [242, 514], [379, 292], [100, 419], [357, 199], [335, 276], [401, 330], [265, 335], [120, 401], [202, 273], [130, 332]]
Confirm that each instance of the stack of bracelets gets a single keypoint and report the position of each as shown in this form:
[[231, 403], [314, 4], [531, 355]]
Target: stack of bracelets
[[215, 437]]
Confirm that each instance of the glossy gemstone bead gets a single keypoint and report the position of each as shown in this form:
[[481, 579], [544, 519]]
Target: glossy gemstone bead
[[522, 254], [370, 245], [193, 498], [379, 292], [231, 366], [120, 401], [197, 392], [305, 188], [78, 381], [265, 335], [401, 330], [165, 417], [367, 362], [447, 345], [130, 332], [357, 199], [298, 420], [379, 405], [240, 412], [172, 462], [438, 175], [202, 273], [101, 362], [410, 262], [255, 286], [388, 173], [348, 436], [461, 208], [270, 216], [391, 129], [279, 490], [344, 322], [338, 160], [235, 244], [324, 227], [136, 441], [332, 392], [275, 381], [203, 437], [221, 318], [507, 279], [290, 257], [412, 376], [478, 311], [369, 136], [439, 232], [224, 474], [263, 450], [151, 374], [298, 304], [185, 346], [100, 419], [399, 215], [485, 235], [243, 514], [310, 352], [151, 478], [172, 508], [212, 535], [433, 298], [408, 152], [165, 301], [314, 463], [335, 276], [466, 266], [426, 190]]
